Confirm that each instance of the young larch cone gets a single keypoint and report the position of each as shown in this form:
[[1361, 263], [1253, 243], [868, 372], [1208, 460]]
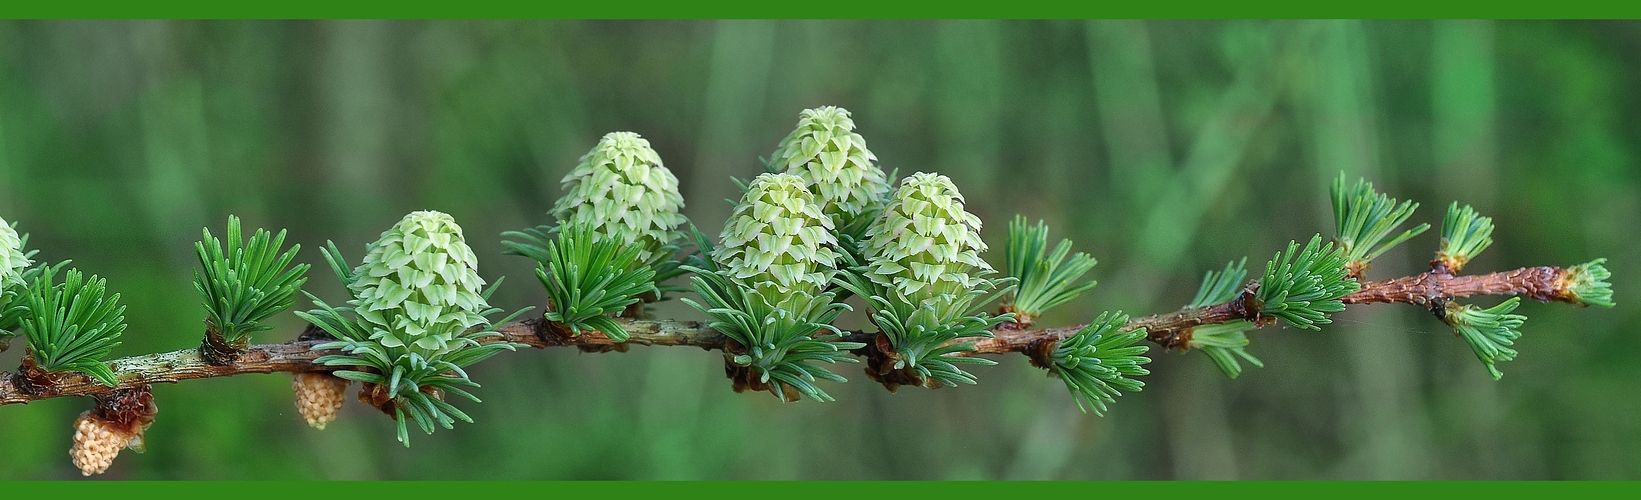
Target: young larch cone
[[12, 264], [778, 242], [419, 285], [318, 397], [622, 191], [833, 161], [926, 246], [12, 259]]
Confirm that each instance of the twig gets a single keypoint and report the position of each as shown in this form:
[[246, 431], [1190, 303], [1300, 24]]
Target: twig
[[1170, 330]]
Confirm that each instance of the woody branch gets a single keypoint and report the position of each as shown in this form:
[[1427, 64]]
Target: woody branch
[[1169, 330]]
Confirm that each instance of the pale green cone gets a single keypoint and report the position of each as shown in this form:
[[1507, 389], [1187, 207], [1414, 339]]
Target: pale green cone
[[777, 241], [12, 260], [767, 290], [833, 161], [925, 245], [419, 284], [622, 191], [923, 276], [12, 263]]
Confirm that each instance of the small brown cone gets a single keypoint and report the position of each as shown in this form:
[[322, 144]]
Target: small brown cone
[[96, 443], [118, 421], [318, 397]]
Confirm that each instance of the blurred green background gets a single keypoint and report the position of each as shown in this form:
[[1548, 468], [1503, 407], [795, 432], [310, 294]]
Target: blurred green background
[[1163, 148]]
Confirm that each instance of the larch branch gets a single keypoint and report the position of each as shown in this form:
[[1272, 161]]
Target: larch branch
[[1170, 330]]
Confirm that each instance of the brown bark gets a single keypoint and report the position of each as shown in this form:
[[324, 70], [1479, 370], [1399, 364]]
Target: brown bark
[[1173, 330]]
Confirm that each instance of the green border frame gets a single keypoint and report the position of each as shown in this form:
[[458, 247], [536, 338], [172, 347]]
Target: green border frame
[[835, 9], [648, 9], [991, 490]]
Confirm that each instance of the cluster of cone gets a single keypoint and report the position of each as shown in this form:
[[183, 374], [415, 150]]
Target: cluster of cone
[[919, 241], [418, 286], [827, 199]]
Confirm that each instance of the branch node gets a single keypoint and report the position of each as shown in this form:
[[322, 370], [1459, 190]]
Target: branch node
[[881, 359], [1438, 307], [1443, 267], [1041, 352], [1021, 321], [32, 380], [376, 396], [1176, 339], [744, 378], [1357, 270], [551, 333], [314, 332], [636, 309], [217, 351]]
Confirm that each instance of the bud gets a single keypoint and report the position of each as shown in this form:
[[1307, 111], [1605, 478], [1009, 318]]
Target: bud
[[833, 161], [622, 191], [777, 241], [1465, 234], [419, 284], [1587, 284], [318, 397], [925, 245]]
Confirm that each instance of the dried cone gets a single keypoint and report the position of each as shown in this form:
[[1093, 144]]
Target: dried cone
[[318, 397]]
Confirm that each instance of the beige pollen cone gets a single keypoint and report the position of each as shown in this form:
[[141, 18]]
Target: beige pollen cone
[[116, 423], [96, 443], [318, 397]]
